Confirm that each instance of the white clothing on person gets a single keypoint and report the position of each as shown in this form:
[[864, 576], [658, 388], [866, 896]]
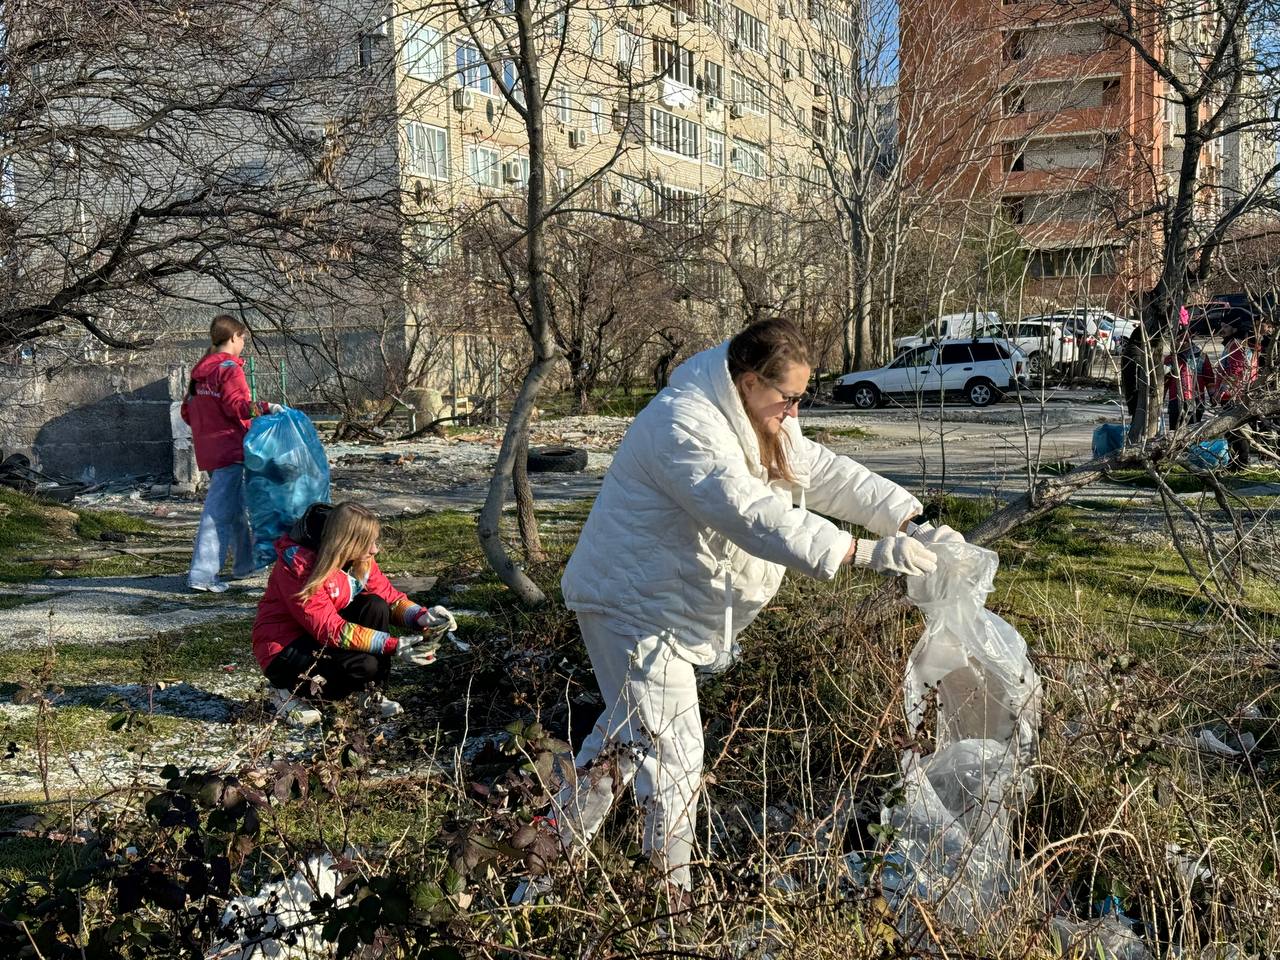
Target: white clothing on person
[[651, 733], [688, 527], [685, 544]]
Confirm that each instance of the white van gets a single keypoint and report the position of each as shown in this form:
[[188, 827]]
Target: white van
[[952, 326]]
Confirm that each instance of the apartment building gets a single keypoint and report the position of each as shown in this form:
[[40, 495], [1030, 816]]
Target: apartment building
[[697, 111], [1065, 127]]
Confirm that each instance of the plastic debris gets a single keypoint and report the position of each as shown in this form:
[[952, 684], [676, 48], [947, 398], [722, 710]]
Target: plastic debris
[[285, 472], [277, 922], [1109, 938], [950, 830]]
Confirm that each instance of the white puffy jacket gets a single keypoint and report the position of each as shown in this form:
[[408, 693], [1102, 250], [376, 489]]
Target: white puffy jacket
[[688, 539]]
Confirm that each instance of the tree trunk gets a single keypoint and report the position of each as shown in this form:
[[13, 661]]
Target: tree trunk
[[523, 492], [515, 438]]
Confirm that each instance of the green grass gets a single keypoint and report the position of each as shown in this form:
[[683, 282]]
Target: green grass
[[827, 434], [179, 654], [30, 527]]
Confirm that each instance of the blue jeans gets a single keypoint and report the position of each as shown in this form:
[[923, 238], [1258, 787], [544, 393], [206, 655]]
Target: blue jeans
[[224, 525]]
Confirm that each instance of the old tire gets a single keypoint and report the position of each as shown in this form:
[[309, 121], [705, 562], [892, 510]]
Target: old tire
[[981, 392], [557, 460]]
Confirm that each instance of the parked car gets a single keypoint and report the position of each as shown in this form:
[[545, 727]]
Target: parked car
[[1114, 332], [982, 370], [1046, 342], [951, 326]]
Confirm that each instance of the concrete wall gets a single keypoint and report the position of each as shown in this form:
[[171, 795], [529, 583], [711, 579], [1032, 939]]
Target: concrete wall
[[93, 423]]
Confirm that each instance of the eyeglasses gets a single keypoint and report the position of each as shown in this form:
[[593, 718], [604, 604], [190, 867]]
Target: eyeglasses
[[790, 399]]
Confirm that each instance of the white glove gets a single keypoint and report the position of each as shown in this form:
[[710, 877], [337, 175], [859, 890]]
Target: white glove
[[274, 408], [896, 554], [436, 622], [928, 533], [417, 651]]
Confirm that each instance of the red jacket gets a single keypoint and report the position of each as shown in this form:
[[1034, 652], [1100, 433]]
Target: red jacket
[[1239, 369], [218, 408], [283, 618]]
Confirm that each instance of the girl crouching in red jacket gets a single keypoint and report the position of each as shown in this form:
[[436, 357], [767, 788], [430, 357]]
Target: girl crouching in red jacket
[[323, 629]]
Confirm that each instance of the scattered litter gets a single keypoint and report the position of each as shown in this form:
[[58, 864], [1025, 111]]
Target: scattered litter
[[228, 667], [278, 921], [1109, 938], [453, 638], [1209, 742]]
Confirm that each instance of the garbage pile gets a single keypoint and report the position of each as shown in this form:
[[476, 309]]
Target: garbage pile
[[950, 828]]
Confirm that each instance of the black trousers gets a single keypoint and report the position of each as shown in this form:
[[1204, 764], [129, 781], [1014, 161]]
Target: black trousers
[[344, 671]]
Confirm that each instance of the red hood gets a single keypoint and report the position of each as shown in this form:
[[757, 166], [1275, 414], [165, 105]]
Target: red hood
[[211, 362], [297, 558]]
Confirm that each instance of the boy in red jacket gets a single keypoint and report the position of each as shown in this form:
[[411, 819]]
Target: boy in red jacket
[[218, 408]]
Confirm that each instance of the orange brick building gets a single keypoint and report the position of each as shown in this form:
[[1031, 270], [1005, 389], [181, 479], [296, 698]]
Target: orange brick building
[[1036, 111]]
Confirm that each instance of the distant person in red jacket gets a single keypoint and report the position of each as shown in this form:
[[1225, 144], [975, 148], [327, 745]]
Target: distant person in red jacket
[[218, 408], [323, 629]]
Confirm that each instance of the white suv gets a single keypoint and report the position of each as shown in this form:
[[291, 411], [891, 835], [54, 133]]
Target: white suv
[[1046, 343], [982, 370]]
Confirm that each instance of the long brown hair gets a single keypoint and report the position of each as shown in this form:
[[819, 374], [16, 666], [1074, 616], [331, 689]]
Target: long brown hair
[[767, 348], [350, 532]]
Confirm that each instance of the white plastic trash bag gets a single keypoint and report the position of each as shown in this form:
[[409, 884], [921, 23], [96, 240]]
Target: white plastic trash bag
[[951, 830], [977, 663], [278, 923]]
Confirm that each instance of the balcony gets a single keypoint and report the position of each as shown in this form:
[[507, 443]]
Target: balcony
[[1111, 61], [1047, 123], [1021, 14]]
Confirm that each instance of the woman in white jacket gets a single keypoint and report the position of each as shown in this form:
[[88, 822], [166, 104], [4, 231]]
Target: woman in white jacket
[[705, 507]]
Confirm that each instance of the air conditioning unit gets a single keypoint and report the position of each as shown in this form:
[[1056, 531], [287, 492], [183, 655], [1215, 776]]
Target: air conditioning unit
[[463, 100], [381, 29], [679, 18], [577, 137], [713, 105], [788, 73], [511, 172], [619, 120], [784, 10], [736, 111]]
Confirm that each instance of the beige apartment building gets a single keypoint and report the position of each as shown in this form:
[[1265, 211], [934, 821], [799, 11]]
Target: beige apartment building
[[700, 109]]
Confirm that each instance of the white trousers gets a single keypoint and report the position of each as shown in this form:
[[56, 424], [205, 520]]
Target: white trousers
[[649, 734]]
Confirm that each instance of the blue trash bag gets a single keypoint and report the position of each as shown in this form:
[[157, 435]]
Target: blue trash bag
[[285, 471], [1107, 438], [1209, 455]]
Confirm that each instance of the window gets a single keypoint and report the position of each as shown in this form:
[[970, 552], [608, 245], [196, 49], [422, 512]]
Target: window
[[628, 46], [675, 205], [430, 242], [482, 166], [713, 79], [713, 14], [674, 61], [784, 54], [423, 52], [511, 81], [1072, 262], [599, 122], [1015, 209], [561, 105], [564, 179], [819, 125], [366, 53], [919, 357], [426, 151], [676, 134], [956, 353], [749, 94], [749, 31], [715, 148], [747, 159], [595, 36], [473, 72], [986, 352]]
